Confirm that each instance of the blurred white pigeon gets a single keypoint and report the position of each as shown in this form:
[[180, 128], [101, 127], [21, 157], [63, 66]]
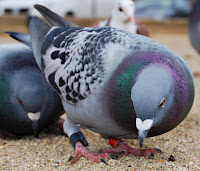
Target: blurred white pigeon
[[122, 17]]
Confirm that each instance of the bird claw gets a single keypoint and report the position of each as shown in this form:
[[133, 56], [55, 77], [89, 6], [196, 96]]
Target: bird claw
[[80, 150], [158, 150], [102, 160], [120, 149], [122, 152], [70, 158], [114, 156], [100, 151], [151, 156], [124, 149]]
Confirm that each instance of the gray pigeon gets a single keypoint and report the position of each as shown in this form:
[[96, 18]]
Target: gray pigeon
[[194, 25], [28, 104], [117, 84]]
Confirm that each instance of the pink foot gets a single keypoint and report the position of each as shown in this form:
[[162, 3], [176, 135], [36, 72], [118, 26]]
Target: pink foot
[[121, 148], [5, 134], [80, 150]]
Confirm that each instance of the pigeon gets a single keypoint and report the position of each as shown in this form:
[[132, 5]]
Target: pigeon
[[28, 104], [194, 26], [113, 82], [123, 17]]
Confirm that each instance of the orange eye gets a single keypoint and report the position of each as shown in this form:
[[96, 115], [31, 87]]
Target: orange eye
[[162, 104], [120, 9], [20, 102]]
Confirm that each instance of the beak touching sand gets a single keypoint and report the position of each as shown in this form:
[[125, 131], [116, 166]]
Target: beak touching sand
[[143, 129], [34, 117]]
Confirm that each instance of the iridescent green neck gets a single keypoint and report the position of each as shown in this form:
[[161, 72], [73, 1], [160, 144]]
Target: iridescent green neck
[[124, 81], [4, 93], [119, 98]]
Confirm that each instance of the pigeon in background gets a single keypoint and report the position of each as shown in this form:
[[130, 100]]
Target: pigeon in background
[[194, 29], [123, 17], [28, 104], [194, 25], [117, 84]]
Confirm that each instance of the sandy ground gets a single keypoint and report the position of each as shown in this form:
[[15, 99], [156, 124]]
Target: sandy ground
[[50, 152]]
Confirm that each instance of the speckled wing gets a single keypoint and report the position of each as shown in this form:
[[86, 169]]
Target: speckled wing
[[72, 60]]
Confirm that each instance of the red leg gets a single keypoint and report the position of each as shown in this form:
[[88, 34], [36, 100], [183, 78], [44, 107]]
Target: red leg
[[57, 128], [80, 150], [122, 148], [5, 134]]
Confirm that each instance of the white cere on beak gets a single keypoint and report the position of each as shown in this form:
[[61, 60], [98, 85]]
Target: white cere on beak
[[143, 125], [33, 116]]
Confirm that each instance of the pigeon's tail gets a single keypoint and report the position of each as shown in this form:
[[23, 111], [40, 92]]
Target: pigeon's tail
[[38, 31], [22, 37], [53, 18]]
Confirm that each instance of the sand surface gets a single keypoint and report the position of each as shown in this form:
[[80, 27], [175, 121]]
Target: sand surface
[[51, 152]]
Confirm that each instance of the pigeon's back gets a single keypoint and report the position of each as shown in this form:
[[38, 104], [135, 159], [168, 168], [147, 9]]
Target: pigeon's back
[[15, 56]]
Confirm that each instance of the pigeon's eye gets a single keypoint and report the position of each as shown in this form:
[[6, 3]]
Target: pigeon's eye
[[20, 102], [120, 9], [162, 103]]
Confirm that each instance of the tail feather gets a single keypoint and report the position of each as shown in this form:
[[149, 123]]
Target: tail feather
[[22, 37], [53, 18], [38, 31]]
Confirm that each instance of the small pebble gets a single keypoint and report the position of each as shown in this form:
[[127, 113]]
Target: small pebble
[[112, 162], [171, 158], [13, 164], [141, 158], [185, 141]]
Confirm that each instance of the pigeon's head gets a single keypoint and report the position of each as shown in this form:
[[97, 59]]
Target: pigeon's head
[[150, 92], [155, 88], [29, 95], [124, 10], [152, 96]]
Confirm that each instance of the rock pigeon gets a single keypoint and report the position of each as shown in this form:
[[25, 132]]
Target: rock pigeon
[[123, 17], [115, 83], [28, 104], [194, 26]]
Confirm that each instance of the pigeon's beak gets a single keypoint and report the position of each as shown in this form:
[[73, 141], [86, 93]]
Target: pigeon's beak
[[143, 129], [130, 19], [142, 135], [35, 128], [34, 117]]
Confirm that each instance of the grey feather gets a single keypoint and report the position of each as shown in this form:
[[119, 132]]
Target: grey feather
[[53, 18], [22, 37], [37, 36]]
